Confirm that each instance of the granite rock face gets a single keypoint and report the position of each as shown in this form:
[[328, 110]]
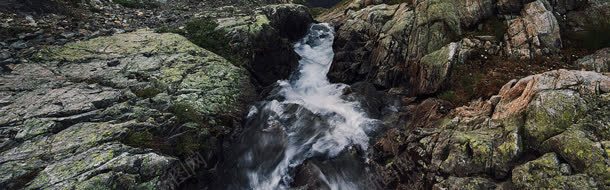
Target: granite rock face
[[598, 62], [535, 33], [543, 131], [98, 113], [128, 109], [121, 111], [385, 44], [389, 44]]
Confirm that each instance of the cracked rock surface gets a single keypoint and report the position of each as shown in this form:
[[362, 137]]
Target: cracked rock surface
[[72, 119]]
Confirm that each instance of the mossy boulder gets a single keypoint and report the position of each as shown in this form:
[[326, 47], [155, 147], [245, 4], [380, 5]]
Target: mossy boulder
[[120, 46], [385, 44], [259, 39], [116, 111], [469, 152], [189, 74], [552, 112], [434, 69], [584, 155], [547, 172]]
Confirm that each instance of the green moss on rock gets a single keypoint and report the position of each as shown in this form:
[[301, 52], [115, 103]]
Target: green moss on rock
[[118, 46], [205, 33], [552, 112], [470, 152], [139, 139], [440, 10], [35, 127], [545, 173], [581, 153]]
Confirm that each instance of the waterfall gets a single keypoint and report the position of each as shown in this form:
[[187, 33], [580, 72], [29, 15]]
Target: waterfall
[[304, 117]]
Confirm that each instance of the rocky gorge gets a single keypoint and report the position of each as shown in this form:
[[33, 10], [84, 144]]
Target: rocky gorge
[[258, 94]]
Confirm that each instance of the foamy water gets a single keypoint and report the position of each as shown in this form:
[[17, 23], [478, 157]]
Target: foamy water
[[308, 118]]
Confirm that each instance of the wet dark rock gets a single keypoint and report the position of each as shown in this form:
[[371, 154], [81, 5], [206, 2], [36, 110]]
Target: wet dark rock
[[346, 165], [372, 100], [291, 22], [584, 27], [266, 45], [115, 63]]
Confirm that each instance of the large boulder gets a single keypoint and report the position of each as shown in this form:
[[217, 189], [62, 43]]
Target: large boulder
[[535, 33], [355, 43], [598, 61], [262, 40], [433, 69], [100, 113], [549, 172]]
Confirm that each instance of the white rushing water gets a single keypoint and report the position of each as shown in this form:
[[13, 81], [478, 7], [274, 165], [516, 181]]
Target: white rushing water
[[323, 124]]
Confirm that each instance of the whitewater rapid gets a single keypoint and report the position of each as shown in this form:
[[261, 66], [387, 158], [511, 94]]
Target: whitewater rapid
[[304, 117]]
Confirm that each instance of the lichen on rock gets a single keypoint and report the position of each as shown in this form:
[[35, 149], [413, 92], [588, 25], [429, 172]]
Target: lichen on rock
[[543, 131], [106, 120]]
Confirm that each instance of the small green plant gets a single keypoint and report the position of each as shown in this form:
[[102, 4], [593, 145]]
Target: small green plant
[[205, 34], [140, 139], [148, 91], [169, 29], [470, 83], [188, 144], [186, 113], [448, 96]]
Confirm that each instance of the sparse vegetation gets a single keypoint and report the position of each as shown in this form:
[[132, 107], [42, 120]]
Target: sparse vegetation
[[140, 139], [482, 78], [204, 33], [448, 95]]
